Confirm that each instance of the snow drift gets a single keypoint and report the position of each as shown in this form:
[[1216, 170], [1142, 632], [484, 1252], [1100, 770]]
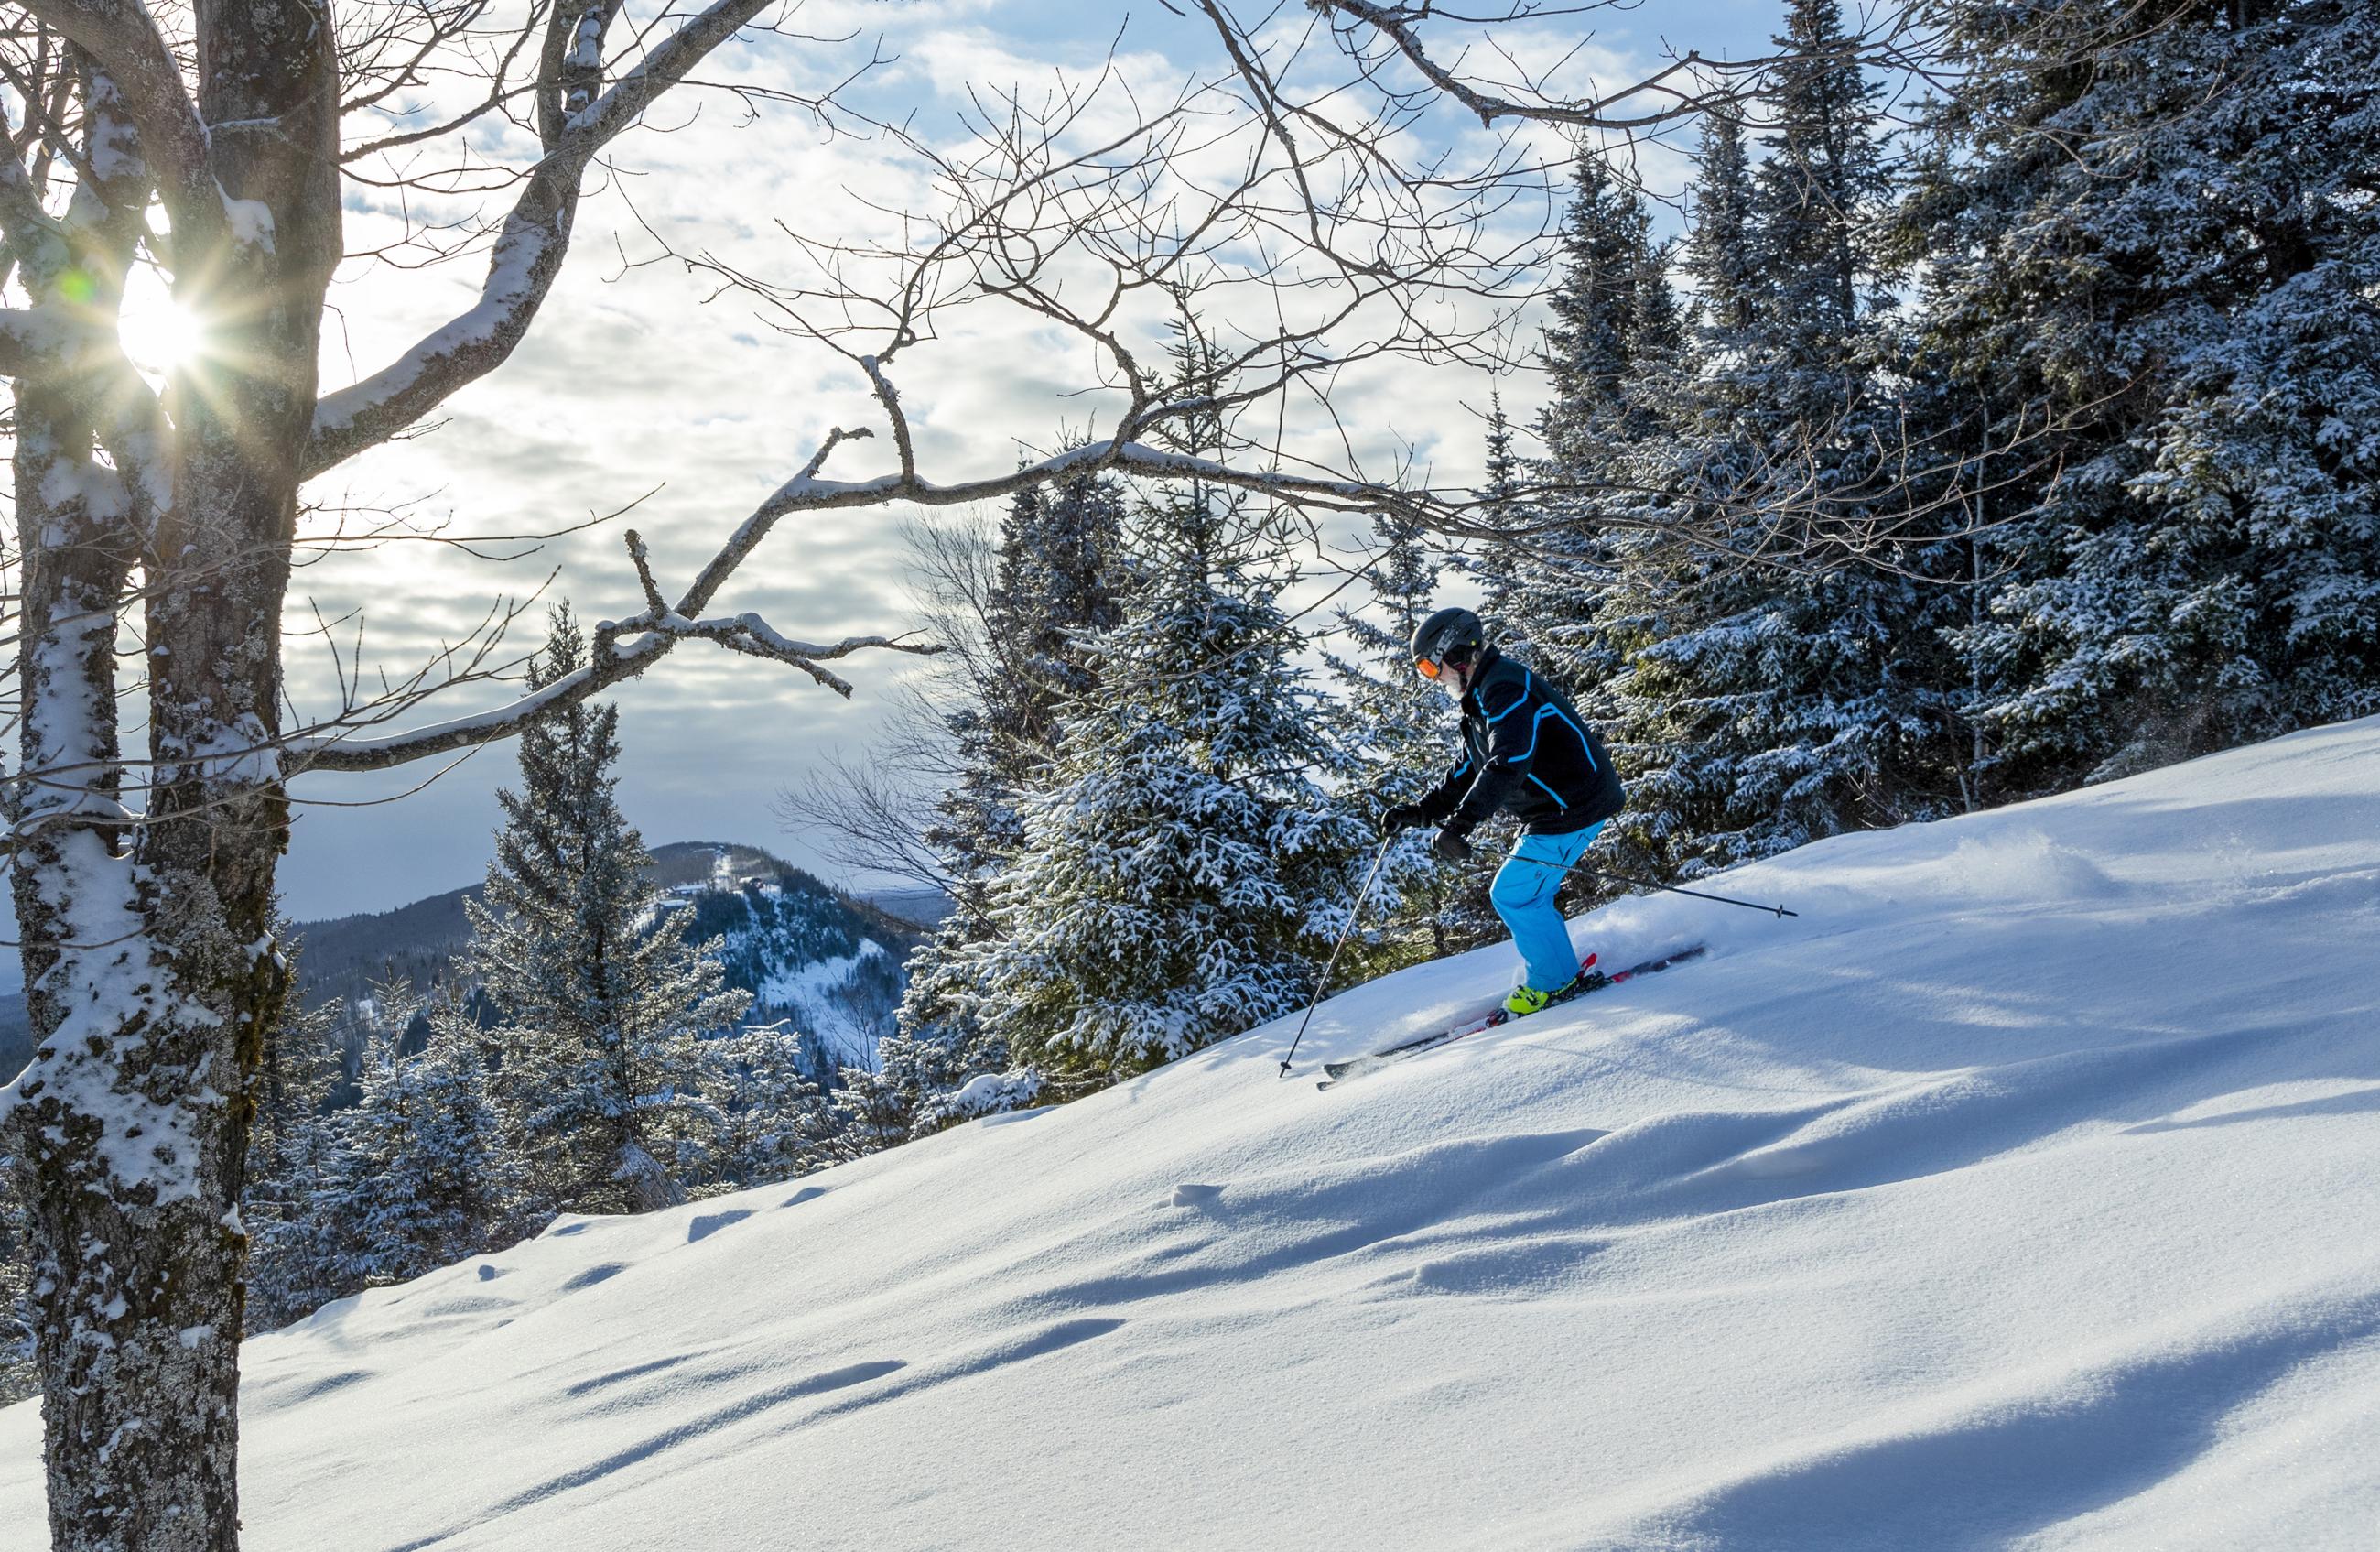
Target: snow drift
[[2021, 1193]]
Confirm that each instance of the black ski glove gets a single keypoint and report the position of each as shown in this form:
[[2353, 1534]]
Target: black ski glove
[[1402, 817], [1452, 845]]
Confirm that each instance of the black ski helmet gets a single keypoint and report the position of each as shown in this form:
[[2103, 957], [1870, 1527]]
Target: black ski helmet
[[1449, 634]]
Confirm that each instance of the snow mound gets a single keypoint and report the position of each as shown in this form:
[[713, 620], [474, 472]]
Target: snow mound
[[2018, 1193]]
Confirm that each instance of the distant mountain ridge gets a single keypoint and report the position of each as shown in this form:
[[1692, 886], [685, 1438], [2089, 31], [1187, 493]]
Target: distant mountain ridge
[[829, 961]]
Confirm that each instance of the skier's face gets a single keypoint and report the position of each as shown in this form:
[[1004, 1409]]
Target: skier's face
[[1454, 675]]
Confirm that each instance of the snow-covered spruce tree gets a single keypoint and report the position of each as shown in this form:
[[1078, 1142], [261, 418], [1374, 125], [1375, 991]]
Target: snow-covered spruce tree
[[1059, 571], [953, 1072], [2161, 297], [1499, 563], [1186, 870], [1612, 339], [870, 1109], [19, 1376], [1730, 288], [1767, 704], [424, 1174], [1612, 354], [295, 1075], [1399, 730], [298, 1074], [335, 1215], [770, 1113], [1184, 873], [303, 1244], [940, 1041], [1657, 576], [1062, 569], [603, 1000]]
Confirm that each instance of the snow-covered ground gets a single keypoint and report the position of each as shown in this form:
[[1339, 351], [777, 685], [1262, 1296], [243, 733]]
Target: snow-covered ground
[[2023, 1191]]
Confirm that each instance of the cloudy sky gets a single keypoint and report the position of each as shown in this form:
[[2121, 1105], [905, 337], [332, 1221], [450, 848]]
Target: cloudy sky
[[641, 379]]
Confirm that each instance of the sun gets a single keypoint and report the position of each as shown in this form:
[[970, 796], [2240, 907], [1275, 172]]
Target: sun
[[158, 336]]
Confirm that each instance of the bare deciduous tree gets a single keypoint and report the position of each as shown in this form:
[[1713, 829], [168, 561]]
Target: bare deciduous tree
[[209, 144]]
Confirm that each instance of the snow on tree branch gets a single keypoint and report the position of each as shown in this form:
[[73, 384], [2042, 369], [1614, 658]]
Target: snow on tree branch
[[124, 38], [19, 331]]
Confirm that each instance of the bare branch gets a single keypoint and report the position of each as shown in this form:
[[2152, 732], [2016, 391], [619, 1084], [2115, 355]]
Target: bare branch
[[574, 126], [621, 649], [644, 564], [123, 36]]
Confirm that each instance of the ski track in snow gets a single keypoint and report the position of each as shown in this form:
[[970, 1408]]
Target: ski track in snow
[[2019, 1194]]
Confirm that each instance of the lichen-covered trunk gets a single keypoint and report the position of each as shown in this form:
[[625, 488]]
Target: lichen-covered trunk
[[152, 975]]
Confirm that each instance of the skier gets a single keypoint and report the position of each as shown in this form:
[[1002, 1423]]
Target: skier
[[1524, 747]]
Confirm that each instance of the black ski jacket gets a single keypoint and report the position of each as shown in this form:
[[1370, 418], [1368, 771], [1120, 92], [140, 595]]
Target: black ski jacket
[[1525, 747]]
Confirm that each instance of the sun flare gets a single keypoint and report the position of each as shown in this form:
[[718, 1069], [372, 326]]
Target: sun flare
[[158, 336]]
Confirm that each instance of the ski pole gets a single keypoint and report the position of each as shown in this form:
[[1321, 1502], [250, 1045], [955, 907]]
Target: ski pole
[[1649, 883], [1332, 964]]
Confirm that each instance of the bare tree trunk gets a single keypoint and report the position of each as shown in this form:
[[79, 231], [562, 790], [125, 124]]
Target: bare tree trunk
[[158, 961]]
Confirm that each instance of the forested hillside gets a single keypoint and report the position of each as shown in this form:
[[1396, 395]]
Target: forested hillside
[[795, 942]]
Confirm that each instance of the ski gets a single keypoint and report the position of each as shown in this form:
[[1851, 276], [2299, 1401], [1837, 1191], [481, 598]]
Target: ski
[[1589, 980], [1586, 979], [1439, 1037]]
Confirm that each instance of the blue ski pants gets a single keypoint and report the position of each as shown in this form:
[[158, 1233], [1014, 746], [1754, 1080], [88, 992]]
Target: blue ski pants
[[1523, 896]]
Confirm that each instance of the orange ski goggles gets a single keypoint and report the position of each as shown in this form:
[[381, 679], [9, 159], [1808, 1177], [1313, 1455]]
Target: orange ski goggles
[[1428, 667]]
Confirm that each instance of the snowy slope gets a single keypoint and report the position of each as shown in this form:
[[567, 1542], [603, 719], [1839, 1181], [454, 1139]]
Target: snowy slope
[[2023, 1193]]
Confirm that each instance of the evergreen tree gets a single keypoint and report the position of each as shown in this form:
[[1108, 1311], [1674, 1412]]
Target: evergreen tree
[[941, 1039], [1816, 201], [874, 1108], [603, 1000], [290, 1151], [1185, 873], [1613, 340], [1504, 561], [1400, 728], [412, 1176], [302, 1246], [19, 1377], [1062, 567], [1186, 870], [1719, 250], [295, 1075], [424, 1174], [1568, 600], [771, 1113], [1059, 567], [2161, 293], [948, 1097], [1767, 703]]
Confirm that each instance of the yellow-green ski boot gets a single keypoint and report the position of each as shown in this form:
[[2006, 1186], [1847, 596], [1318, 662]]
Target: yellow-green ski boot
[[1527, 1000]]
